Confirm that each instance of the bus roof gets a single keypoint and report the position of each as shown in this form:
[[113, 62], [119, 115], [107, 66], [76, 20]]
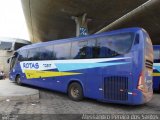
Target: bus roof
[[16, 40], [41, 44]]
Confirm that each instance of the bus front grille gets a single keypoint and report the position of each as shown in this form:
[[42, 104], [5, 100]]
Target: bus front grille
[[116, 88]]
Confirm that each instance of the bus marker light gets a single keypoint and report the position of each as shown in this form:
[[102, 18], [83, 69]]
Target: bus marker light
[[134, 94], [121, 90], [100, 89]]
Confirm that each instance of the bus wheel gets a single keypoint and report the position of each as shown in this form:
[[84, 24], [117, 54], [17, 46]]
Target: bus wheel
[[75, 91], [18, 80]]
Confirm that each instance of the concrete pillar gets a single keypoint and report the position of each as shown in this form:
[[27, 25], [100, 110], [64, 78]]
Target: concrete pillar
[[81, 24]]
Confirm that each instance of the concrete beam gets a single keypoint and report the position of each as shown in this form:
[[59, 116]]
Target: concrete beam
[[146, 16]]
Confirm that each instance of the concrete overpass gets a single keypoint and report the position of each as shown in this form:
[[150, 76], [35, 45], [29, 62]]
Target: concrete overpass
[[52, 19]]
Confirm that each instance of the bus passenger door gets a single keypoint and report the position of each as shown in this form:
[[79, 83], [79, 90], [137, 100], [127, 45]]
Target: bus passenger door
[[14, 66]]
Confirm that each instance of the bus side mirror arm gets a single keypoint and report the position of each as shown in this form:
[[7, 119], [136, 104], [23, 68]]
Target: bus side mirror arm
[[8, 60]]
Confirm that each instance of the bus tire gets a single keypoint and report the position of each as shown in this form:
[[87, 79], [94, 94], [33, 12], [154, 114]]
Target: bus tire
[[18, 80], [75, 91]]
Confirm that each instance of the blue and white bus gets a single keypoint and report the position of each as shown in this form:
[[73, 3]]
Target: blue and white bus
[[113, 67], [156, 68], [7, 48]]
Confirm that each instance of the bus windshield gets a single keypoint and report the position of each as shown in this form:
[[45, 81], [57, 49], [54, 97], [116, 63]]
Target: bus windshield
[[13, 60], [120, 43]]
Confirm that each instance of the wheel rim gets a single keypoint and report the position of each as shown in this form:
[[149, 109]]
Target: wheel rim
[[75, 92]]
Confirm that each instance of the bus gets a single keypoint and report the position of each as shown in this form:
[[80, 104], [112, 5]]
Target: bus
[[114, 67], [7, 47], [156, 68]]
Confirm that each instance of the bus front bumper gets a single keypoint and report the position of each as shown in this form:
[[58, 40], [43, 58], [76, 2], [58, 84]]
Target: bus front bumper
[[11, 78], [140, 97]]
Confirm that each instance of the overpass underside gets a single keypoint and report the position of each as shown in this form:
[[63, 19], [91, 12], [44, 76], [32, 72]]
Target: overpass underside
[[52, 19]]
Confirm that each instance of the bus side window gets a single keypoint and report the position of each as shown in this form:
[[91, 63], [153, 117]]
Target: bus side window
[[78, 50], [103, 52], [47, 53], [62, 51], [85, 53], [91, 48], [82, 53], [96, 51], [111, 46], [89, 53], [136, 39], [23, 55], [33, 54]]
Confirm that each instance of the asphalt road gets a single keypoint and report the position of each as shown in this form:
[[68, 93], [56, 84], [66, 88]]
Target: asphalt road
[[62, 104], [52, 102]]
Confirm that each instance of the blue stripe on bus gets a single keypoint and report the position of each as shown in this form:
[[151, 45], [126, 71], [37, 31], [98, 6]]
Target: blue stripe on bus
[[157, 68], [78, 66]]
